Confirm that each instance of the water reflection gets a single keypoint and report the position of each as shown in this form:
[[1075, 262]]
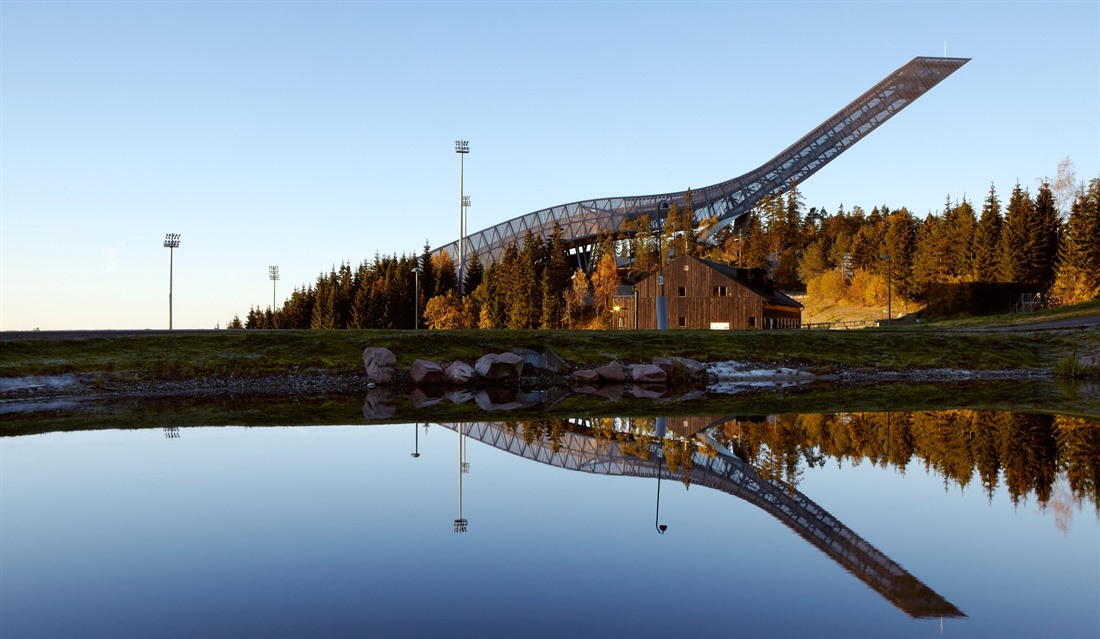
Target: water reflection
[[1028, 452], [631, 448], [760, 459], [463, 467]]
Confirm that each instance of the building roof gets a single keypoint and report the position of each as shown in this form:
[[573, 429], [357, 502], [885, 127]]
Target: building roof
[[741, 276]]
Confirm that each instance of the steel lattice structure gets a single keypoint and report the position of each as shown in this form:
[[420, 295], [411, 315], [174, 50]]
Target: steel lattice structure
[[580, 451], [583, 222]]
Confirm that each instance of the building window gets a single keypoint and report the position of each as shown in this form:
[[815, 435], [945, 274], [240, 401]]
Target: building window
[[720, 291], [752, 322], [620, 321], [681, 291], [682, 322]]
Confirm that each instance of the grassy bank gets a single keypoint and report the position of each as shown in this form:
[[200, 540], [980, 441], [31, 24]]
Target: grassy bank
[[168, 356], [347, 409]]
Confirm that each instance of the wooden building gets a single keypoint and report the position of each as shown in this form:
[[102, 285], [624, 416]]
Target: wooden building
[[706, 295]]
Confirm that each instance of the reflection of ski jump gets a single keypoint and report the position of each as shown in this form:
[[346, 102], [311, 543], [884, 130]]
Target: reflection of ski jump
[[727, 473], [582, 223]]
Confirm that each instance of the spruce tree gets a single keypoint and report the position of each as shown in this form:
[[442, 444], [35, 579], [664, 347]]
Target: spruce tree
[[1078, 275], [474, 272], [1015, 238], [897, 243], [985, 244], [427, 273], [1044, 230], [443, 268], [959, 235]]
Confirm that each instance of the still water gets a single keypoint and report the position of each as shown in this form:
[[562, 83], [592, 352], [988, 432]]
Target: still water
[[925, 524]]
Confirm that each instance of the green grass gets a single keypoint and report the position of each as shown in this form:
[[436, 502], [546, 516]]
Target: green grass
[[161, 356], [1084, 309]]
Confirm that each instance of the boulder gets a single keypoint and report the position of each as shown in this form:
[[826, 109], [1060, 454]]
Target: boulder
[[612, 372], [493, 399], [614, 392], [498, 367], [379, 363], [379, 404], [664, 364], [648, 374], [425, 373], [585, 376], [424, 397], [458, 395], [542, 358], [690, 369], [649, 392], [458, 374]]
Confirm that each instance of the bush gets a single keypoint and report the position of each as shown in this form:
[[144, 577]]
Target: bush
[[829, 286]]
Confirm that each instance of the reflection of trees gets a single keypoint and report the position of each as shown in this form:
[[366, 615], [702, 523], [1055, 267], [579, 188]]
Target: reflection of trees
[[1027, 451], [1079, 448]]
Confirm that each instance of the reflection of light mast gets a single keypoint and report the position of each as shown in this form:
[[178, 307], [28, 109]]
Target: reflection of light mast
[[460, 523], [661, 528], [463, 459], [416, 437]]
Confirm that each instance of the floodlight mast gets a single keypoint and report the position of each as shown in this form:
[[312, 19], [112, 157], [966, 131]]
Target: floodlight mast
[[273, 273], [171, 242], [462, 147]]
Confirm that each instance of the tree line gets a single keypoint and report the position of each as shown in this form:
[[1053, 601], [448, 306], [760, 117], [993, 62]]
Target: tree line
[[1055, 458], [1039, 243]]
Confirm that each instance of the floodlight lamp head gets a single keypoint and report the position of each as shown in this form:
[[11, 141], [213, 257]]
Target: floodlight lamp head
[[465, 200], [417, 270], [884, 257], [171, 240], [462, 146]]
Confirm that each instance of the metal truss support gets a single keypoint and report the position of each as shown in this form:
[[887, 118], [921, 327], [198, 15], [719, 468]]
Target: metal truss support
[[583, 222]]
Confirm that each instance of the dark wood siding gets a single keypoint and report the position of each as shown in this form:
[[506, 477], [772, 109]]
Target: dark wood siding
[[710, 298]]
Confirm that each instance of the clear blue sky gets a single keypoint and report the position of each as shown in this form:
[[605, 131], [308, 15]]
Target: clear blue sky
[[303, 134]]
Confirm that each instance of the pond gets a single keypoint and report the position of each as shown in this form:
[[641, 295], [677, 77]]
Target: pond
[[965, 523]]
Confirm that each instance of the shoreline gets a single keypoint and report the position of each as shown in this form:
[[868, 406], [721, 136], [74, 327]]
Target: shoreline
[[75, 388]]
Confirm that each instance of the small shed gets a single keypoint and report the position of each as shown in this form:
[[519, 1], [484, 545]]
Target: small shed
[[702, 294]]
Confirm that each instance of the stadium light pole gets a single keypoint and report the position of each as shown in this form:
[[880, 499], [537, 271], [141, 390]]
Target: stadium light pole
[[416, 299], [661, 302], [462, 147], [462, 241], [273, 273], [889, 288], [460, 523], [171, 242], [661, 425]]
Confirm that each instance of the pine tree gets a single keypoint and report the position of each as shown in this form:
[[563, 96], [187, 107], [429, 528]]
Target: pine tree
[[427, 271], [444, 269], [1015, 237], [1078, 275], [551, 306], [931, 257], [960, 225], [605, 281], [343, 297], [985, 244], [1044, 231], [754, 253], [897, 243], [555, 280], [474, 272]]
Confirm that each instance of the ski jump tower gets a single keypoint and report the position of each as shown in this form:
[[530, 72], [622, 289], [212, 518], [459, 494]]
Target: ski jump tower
[[583, 222]]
